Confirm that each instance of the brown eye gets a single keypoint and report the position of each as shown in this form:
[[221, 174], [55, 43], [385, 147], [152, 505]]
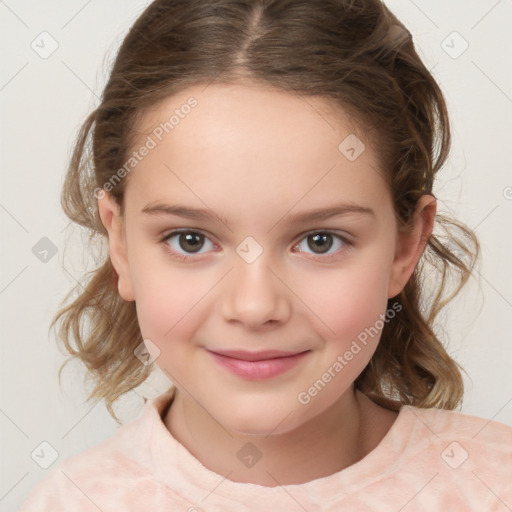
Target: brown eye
[[191, 242], [321, 241], [188, 243]]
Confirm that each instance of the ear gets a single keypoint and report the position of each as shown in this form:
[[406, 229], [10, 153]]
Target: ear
[[112, 220], [411, 243]]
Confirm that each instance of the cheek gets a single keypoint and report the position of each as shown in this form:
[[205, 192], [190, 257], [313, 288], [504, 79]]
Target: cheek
[[350, 316], [167, 300], [348, 301], [168, 310]]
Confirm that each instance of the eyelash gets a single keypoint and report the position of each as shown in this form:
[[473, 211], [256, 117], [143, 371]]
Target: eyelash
[[345, 243]]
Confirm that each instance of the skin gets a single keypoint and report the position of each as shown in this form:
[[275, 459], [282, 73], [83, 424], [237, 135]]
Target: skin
[[255, 156]]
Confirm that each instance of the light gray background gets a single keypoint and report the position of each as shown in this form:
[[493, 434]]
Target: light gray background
[[44, 101]]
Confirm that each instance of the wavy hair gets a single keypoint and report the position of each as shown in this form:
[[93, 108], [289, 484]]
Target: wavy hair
[[358, 56]]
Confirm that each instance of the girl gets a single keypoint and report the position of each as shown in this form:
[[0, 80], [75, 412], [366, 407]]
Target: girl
[[263, 173]]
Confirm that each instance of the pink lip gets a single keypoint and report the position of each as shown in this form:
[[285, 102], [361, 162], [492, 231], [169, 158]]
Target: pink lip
[[257, 365]]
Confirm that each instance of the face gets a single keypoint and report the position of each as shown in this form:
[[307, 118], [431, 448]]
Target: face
[[261, 269]]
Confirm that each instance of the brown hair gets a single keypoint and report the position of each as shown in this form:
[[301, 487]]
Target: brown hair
[[354, 53]]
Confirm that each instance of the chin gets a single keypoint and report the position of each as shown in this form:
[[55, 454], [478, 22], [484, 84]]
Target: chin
[[259, 423], [262, 428]]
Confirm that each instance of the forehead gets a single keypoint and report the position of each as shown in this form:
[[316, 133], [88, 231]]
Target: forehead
[[250, 109], [239, 143]]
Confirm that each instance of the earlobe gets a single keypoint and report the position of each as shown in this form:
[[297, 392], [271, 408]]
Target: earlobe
[[411, 244], [111, 219]]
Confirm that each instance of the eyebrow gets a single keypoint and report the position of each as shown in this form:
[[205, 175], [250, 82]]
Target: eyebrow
[[296, 218]]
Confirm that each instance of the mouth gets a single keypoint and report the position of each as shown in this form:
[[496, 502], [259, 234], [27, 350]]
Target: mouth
[[257, 365]]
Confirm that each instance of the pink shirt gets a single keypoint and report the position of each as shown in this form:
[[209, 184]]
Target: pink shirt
[[430, 460]]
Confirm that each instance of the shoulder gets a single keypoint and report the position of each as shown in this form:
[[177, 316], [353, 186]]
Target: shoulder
[[113, 473], [446, 425], [468, 458], [459, 437], [104, 468], [434, 459]]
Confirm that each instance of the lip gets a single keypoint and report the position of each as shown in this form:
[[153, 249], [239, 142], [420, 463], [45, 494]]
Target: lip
[[257, 365]]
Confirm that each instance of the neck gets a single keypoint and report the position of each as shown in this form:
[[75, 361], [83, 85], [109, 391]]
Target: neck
[[326, 444]]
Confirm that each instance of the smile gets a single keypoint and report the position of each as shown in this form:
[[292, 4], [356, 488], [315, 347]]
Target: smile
[[257, 365]]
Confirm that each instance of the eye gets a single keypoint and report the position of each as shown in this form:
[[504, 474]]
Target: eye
[[188, 241], [183, 244], [321, 242]]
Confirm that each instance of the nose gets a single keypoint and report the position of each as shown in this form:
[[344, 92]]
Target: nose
[[255, 296]]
